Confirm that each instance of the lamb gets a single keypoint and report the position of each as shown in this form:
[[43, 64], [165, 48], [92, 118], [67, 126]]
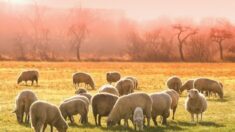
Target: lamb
[[109, 89], [195, 103], [43, 113], [175, 98], [161, 106], [174, 83], [102, 104], [81, 77], [209, 85], [125, 106], [80, 91], [124, 87], [23, 102], [113, 77], [135, 81], [74, 107], [28, 75], [138, 118], [187, 85]]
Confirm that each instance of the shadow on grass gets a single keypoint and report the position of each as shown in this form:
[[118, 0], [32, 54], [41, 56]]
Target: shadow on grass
[[26, 124], [203, 123], [225, 99], [88, 125]]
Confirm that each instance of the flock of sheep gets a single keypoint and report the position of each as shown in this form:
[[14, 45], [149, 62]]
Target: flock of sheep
[[115, 102]]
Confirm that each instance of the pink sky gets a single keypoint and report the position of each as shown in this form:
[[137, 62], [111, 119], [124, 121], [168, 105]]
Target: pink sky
[[150, 9]]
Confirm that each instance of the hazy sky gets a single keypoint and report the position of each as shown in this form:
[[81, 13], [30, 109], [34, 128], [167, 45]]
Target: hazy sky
[[150, 9]]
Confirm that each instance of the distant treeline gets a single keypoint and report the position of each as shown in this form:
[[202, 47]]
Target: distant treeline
[[39, 33]]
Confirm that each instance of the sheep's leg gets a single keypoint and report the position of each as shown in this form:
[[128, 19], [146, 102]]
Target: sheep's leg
[[32, 81], [148, 121], [201, 116], [164, 121], [44, 127], [174, 109], [197, 117], [51, 128], [126, 122], [71, 119], [135, 126], [99, 120], [95, 117], [26, 83], [154, 118], [192, 117], [26, 117]]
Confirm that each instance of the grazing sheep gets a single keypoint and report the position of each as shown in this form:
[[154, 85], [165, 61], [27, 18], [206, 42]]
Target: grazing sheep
[[113, 77], [138, 118], [187, 85], [74, 107], [195, 103], [125, 106], [43, 113], [80, 91], [29, 75], [161, 106], [135, 81], [175, 98], [174, 83], [23, 102], [209, 85], [81, 77], [109, 89], [124, 87], [102, 104]]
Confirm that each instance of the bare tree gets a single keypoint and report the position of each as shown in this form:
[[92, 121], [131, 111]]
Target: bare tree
[[219, 36], [78, 29], [20, 46], [183, 34]]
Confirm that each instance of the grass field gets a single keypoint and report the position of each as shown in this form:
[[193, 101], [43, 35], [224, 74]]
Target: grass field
[[55, 84]]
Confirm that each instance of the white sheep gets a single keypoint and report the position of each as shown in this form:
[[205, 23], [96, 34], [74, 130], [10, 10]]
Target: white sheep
[[43, 113], [23, 102], [195, 103], [138, 118], [125, 86]]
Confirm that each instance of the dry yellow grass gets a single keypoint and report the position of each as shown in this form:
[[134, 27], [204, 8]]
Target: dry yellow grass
[[55, 84]]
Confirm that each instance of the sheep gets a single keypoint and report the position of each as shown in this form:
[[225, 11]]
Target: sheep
[[175, 98], [113, 77], [125, 106], [161, 106], [109, 89], [138, 118], [135, 81], [102, 104], [43, 113], [124, 87], [89, 96], [28, 75], [187, 85], [83, 98], [23, 102], [209, 85], [195, 103], [81, 77], [175, 83], [74, 107], [80, 90]]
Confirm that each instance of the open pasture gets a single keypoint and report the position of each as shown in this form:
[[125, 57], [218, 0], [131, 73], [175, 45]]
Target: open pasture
[[55, 84]]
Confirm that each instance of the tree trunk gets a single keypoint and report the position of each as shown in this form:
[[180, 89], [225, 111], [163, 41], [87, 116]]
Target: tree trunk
[[221, 51], [78, 53], [181, 51]]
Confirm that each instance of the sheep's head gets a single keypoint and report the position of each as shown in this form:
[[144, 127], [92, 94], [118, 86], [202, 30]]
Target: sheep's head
[[19, 116], [63, 126], [80, 91], [19, 80], [193, 93]]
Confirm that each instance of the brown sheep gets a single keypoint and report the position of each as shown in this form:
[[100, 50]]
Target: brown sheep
[[113, 77], [125, 106], [43, 113], [28, 75], [102, 105], [81, 77], [124, 87], [135, 81], [23, 102], [175, 98], [175, 83], [187, 85]]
